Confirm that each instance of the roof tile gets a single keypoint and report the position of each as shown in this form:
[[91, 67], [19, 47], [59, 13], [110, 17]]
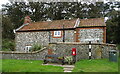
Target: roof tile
[[92, 22], [58, 24]]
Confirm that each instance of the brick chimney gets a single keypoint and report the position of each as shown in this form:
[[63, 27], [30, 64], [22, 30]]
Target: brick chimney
[[27, 19]]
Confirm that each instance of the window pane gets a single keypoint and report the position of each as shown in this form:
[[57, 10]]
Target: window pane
[[58, 32], [55, 32]]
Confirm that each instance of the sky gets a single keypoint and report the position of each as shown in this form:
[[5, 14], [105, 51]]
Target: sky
[[3, 2]]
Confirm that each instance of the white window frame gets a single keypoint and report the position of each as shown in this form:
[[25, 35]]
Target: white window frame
[[57, 33], [27, 48]]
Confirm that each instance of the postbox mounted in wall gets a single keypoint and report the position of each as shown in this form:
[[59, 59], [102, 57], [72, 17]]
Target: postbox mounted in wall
[[73, 51]]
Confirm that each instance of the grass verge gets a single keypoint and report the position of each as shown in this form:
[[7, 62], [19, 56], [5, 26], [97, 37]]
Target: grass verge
[[9, 65], [98, 65]]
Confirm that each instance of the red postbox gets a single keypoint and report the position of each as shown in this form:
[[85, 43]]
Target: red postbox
[[74, 51]]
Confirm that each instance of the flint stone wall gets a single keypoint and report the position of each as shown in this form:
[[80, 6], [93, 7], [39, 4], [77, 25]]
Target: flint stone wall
[[38, 55], [93, 35], [42, 37], [29, 38], [65, 49]]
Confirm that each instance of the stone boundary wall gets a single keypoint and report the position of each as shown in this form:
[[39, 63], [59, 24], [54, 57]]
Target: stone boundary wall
[[64, 49], [37, 55], [99, 50]]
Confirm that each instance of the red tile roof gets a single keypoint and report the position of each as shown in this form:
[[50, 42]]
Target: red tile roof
[[58, 24], [92, 22]]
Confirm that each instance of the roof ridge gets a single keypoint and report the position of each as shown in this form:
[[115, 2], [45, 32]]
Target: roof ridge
[[92, 18], [55, 20]]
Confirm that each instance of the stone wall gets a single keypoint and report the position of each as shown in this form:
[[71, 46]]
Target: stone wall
[[42, 37], [64, 49], [69, 36], [98, 50], [38, 55], [93, 35], [29, 38]]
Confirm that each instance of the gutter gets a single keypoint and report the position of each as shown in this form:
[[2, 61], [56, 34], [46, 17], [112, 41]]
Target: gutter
[[45, 30], [89, 26]]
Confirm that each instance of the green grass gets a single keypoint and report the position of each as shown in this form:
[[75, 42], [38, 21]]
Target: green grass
[[28, 66], [0, 65], [99, 65]]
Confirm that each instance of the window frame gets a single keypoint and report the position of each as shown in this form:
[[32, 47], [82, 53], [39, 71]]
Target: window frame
[[57, 34], [27, 48]]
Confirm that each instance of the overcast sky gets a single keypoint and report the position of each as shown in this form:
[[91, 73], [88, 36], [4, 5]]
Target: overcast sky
[[3, 2]]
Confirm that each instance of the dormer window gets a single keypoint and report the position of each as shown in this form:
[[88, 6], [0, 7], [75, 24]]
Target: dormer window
[[57, 34]]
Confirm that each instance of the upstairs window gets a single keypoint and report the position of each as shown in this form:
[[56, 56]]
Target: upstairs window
[[57, 33]]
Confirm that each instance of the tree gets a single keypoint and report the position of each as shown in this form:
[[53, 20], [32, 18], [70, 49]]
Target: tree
[[113, 29], [7, 28]]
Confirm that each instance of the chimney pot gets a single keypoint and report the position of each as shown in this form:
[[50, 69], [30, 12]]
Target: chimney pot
[[27, 19]]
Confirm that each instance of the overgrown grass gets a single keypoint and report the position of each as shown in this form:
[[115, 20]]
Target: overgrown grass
[[99, 65], [28, 66]]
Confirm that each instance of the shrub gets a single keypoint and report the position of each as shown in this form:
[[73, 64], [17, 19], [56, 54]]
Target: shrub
[[36, 47], [69, 59], [8, 45]]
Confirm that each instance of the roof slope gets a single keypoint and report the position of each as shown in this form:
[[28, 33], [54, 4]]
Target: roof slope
[[92, 22], [58, 24]]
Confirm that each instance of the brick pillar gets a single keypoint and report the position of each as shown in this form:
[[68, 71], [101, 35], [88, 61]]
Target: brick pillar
[[50, 51], [104, 35], [27, 19]]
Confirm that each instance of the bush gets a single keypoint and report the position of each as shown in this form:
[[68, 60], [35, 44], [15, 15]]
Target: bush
[[36, 47], [69, 59], [118, 46], [8, 45]]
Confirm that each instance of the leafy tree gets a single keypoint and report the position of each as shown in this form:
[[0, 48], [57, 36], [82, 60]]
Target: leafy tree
[[113, 29], [7, 28]]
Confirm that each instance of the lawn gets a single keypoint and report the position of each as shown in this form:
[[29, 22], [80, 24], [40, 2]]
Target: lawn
[[28, 66], [98, 65]]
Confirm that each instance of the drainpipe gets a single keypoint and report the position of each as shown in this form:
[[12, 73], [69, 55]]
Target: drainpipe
[[49, 36], [63, 33]]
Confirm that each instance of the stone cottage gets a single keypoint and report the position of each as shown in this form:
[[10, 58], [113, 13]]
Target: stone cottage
[[70, 30]]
